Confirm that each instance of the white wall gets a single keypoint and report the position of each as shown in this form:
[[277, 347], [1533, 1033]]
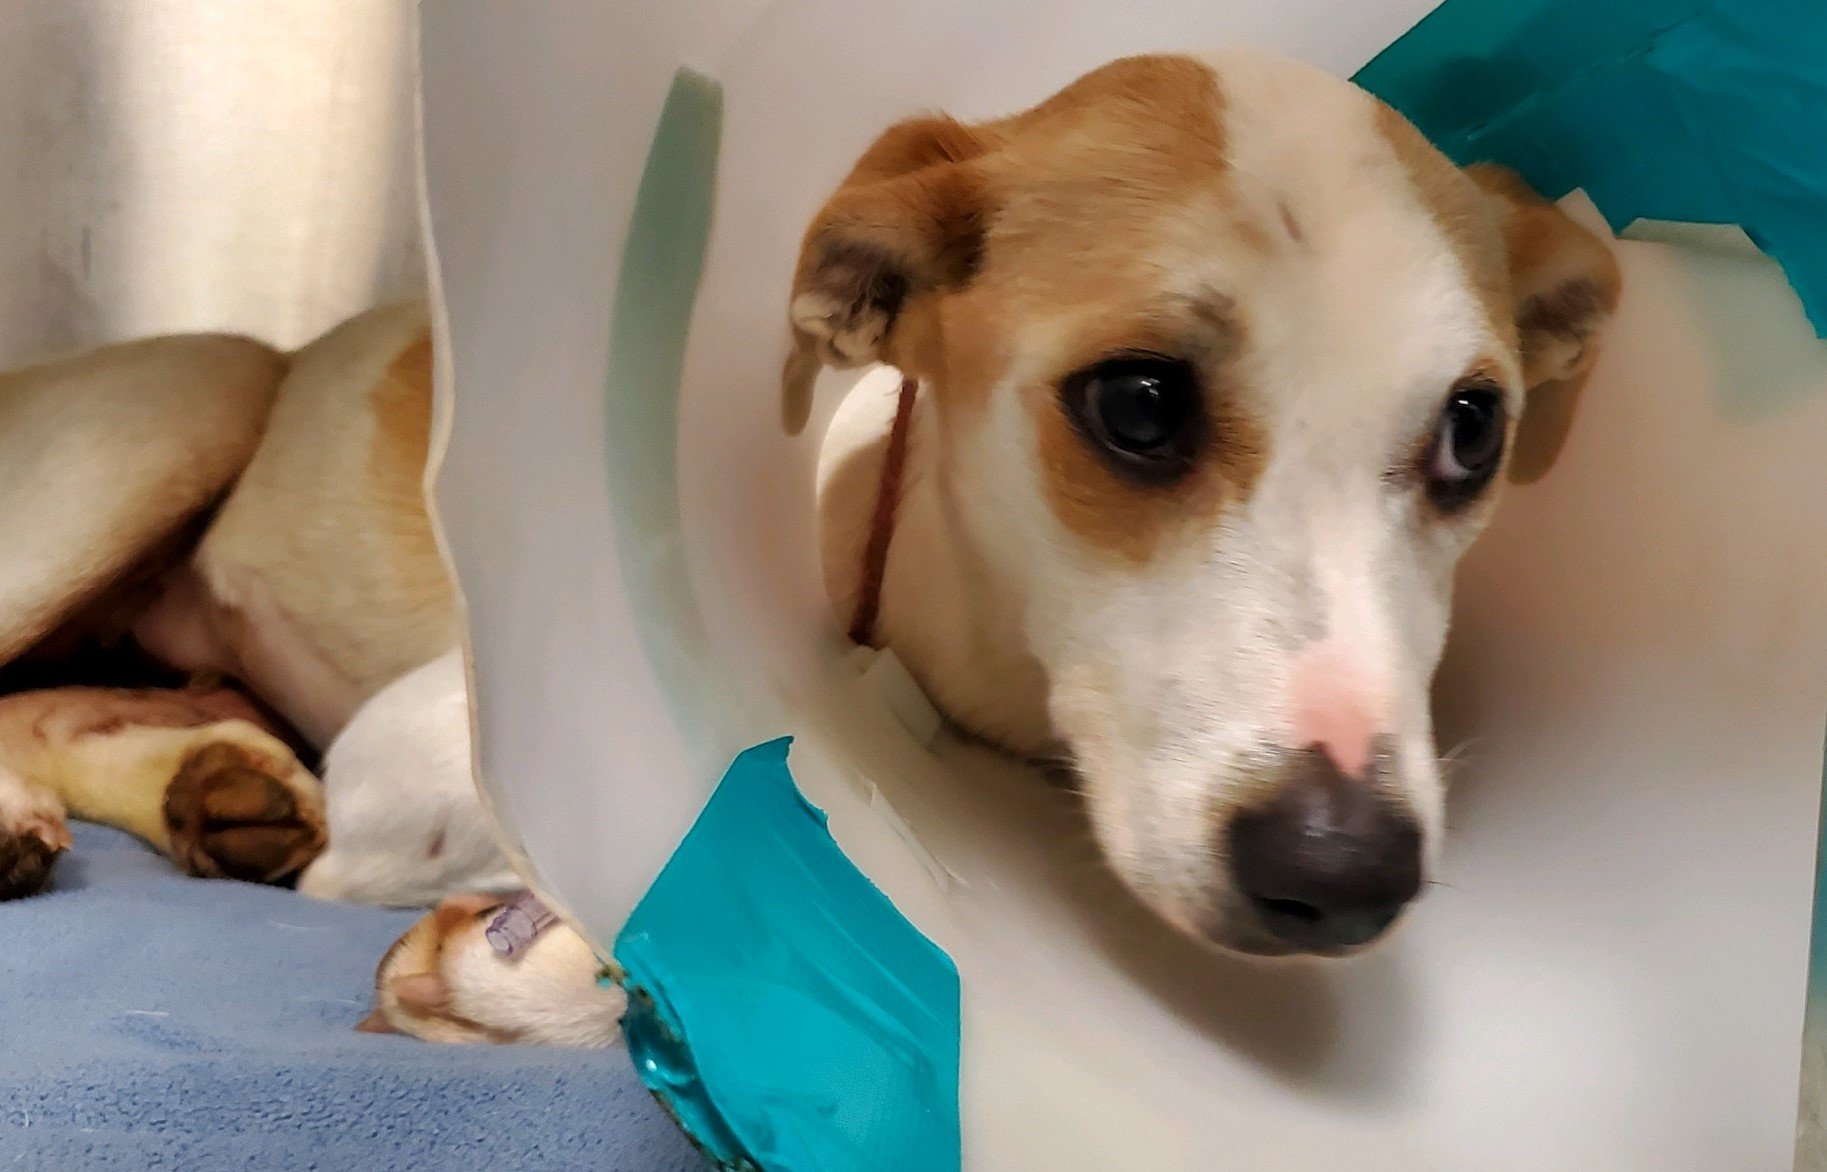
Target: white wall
[[195, 164]]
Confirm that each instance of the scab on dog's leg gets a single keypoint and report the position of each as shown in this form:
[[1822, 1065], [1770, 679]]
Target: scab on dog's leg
[[32, 834], [443, 982]]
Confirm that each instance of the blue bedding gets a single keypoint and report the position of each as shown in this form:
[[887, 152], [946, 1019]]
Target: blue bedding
[[150, 1021]]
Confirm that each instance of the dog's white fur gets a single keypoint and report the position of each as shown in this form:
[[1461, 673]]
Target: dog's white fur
[[405, 826]]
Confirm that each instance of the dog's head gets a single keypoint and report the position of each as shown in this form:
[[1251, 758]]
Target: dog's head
[[1226, 361]]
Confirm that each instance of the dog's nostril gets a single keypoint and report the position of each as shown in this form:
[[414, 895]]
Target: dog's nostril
[[1329, 862], [1317, 929], [1292, 909]]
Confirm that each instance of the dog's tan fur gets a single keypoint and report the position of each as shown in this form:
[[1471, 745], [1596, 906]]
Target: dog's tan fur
[[315, 584], [320, 582], [143, 435]]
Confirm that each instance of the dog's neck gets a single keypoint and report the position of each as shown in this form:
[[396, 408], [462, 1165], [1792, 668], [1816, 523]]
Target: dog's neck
[[957, 627]]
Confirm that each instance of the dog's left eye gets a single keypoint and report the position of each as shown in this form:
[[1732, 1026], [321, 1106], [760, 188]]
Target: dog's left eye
[[1143, 411], [1467, 446]]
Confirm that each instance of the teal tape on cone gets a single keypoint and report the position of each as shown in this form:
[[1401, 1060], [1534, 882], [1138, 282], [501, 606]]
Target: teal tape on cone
[[778, 1003], [1704, 111]]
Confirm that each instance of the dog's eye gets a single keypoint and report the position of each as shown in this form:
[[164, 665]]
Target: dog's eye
[[1467, 446], [1141, 410]]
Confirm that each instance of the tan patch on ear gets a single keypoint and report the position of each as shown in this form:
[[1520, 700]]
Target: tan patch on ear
[[906, 222], [1455, 203], [1566, 285], [890, 267], [1565, 282]]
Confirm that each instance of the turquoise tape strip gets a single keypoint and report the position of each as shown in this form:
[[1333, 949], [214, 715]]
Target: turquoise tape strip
[[779, 1004], [1704, 111]]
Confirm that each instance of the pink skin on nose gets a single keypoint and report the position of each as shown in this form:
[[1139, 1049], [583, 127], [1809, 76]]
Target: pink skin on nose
[[1335, 706]]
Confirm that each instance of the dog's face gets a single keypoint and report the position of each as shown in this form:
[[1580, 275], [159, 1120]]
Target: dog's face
[[1226, 361]]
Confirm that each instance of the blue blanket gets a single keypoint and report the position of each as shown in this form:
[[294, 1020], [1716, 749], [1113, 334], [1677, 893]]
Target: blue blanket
[[152, 1021]]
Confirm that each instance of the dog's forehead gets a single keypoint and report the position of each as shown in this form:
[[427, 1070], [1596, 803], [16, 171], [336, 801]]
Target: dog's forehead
[[1249, 177]]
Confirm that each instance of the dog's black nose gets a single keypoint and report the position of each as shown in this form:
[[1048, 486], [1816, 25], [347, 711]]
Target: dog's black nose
[[1329, 861]]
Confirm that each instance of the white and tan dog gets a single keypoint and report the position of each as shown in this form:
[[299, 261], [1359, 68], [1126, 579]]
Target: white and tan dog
[[1214, 364]]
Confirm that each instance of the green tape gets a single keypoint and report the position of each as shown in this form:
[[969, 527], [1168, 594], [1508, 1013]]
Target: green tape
[[778, 1003], [1704, 111]]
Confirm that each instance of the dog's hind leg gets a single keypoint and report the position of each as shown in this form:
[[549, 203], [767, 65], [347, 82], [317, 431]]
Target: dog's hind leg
[[32, 834], [191, 772]]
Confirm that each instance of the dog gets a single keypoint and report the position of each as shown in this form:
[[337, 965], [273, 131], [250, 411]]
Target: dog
[[240, 514], [1210, 369]]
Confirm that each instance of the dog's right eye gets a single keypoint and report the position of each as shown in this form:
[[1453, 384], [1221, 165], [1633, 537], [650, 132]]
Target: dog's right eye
[[1141, 411]]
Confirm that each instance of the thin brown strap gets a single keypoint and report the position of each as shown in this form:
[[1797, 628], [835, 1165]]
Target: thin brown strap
[[881, 526]]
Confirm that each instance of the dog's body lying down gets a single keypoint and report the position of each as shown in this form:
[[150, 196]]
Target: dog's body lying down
[[316, 583], [1216, 364]]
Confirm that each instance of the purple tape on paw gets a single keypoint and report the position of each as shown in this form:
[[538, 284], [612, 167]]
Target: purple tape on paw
[[517, 924]]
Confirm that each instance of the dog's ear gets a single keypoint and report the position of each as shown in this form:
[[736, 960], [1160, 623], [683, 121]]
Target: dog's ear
[[906, 222], [1564, 285]]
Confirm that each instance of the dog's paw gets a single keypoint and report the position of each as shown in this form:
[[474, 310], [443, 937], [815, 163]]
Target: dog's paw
[[443, 982], [27, 855], [33, 833], [233, 813]]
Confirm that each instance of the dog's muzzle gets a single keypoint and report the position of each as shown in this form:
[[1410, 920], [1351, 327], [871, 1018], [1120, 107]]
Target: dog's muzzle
[[1328, 862]]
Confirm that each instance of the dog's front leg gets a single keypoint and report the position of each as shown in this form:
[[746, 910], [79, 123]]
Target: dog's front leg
[[444, 981]]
